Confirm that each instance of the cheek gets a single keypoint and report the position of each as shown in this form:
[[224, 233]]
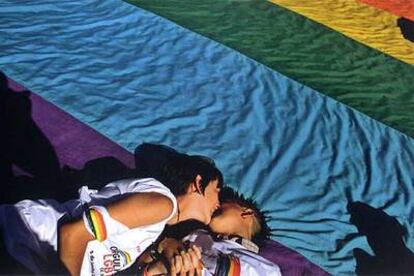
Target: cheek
[[204, 204], [223, 225], [213, 198], [217, 224], [208, 198]]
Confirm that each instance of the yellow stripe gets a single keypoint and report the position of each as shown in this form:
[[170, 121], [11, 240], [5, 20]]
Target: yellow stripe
[[231, 268], [96, 225], [99, 225], [128, 257], [368, 25]]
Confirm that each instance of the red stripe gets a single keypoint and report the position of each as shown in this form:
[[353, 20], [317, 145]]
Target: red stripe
[[236, 266], [403, 8]]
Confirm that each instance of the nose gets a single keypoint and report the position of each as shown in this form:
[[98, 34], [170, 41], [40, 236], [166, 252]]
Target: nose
[[217, 206]]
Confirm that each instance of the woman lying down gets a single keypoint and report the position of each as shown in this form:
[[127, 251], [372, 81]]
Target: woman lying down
[[104, 232]]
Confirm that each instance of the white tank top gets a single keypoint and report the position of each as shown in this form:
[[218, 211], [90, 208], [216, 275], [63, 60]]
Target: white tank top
[[117, 251]]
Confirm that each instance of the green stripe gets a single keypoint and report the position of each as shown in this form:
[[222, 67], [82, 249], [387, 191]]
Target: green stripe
[[361, 77]]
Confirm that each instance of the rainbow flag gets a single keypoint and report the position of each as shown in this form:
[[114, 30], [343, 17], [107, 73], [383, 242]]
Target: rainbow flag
[[305, 105]]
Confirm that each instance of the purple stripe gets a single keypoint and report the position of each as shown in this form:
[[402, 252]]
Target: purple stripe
[[290, 262], [74, 142]]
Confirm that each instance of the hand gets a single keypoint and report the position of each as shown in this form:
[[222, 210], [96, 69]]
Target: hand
[[187, 262], [170, 247]]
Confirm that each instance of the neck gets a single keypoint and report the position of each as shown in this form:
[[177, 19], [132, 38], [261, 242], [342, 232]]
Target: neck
[[245, 232], [184, 210], [176, 218]]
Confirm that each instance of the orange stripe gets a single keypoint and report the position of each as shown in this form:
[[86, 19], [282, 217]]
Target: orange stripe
[[403, 8], [231, 267], [236, 266], [98, 224]]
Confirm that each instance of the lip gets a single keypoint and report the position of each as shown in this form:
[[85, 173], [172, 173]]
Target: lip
[[216, 213]]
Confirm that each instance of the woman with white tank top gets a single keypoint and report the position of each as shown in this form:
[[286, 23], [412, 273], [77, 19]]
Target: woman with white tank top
[[105, 231]]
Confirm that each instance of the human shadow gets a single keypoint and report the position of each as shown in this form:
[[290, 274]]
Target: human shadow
[[26, 153], [407, 28], [385, 236], [150, 161], [95, 174], [30, 168]]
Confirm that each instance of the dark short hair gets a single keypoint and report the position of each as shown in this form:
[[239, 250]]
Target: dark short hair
[[174, 169], [208, 171], [229, 195], [182, 169]]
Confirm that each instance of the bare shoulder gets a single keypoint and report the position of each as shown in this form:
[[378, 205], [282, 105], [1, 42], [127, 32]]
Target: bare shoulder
[[152, 201]]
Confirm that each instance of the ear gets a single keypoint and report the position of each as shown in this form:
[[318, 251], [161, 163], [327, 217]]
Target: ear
[[195, 187], [247, 212], [198, 183]]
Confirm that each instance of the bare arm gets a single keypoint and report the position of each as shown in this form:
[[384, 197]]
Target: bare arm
[[133, 211]]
